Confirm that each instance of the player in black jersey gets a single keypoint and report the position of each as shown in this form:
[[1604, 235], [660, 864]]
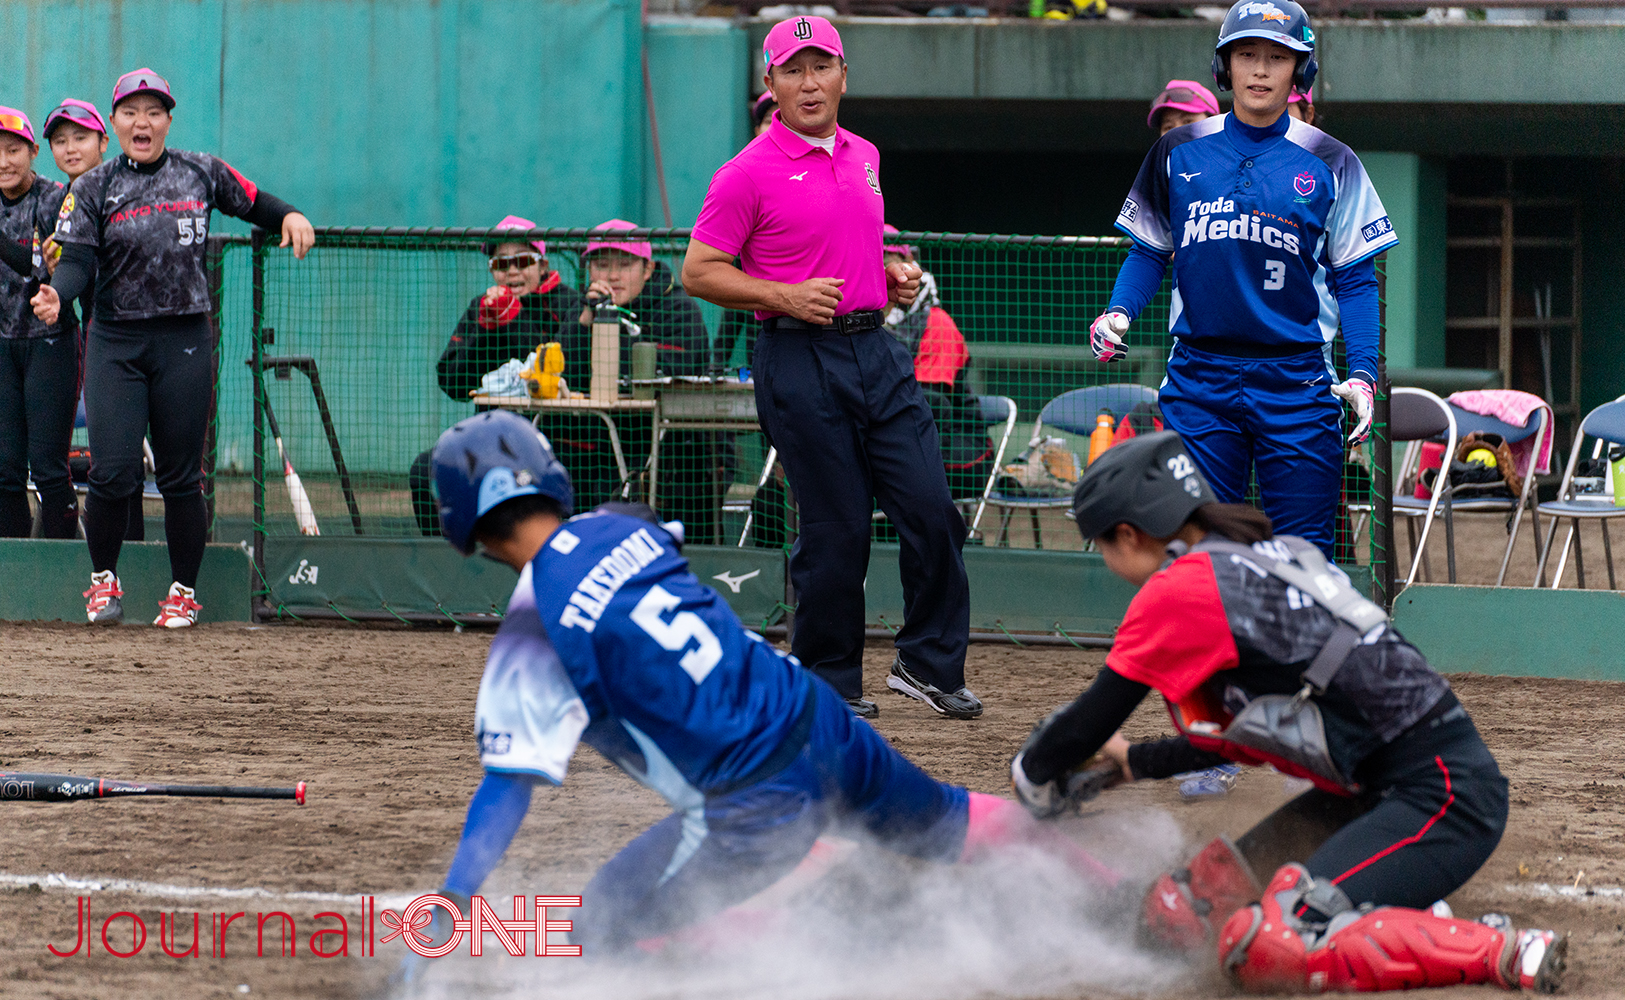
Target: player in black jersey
[[39, 361], [137, 224]]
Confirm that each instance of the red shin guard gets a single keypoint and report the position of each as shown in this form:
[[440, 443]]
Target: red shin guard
[[1266, 948]]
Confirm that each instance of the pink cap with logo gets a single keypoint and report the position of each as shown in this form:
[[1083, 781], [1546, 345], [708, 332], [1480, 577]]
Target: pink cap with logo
[[79, 112], [1183, 95], [143, 81], [902, 248], [790, 36], [515, 222], [17, 123], [636, 249]]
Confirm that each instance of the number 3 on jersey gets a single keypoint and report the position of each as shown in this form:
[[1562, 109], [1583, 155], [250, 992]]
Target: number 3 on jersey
[[1274, 275], [677, 633], [192, 230]]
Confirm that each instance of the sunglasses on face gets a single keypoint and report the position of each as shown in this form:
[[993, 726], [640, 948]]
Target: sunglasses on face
[[1180, 95], [519, 260]]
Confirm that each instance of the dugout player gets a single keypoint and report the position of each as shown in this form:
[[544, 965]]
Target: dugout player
[[1272, 226], [39, 359], [136, 225], [1265, 655], [610, 640], [801, 208], [1182, 102]]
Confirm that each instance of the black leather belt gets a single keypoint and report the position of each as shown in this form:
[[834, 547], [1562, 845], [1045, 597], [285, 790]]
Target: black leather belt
[[846, 326]]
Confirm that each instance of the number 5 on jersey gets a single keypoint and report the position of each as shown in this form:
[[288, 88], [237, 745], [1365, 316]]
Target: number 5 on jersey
[[677, 633], [192, 230]]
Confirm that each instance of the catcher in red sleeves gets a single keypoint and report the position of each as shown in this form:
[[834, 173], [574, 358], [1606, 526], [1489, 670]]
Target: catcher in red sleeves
[[1266, 655]]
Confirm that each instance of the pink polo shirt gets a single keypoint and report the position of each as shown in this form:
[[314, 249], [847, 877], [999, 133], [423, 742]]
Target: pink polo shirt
[[791, 212]]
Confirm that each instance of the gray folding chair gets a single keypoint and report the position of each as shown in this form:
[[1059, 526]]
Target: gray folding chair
[[1539, 427], [996, 410], [1073, 412], [1607, 424], [1417, 415]]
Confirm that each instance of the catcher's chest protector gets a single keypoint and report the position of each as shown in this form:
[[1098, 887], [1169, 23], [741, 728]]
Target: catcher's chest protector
[[1286, 731]]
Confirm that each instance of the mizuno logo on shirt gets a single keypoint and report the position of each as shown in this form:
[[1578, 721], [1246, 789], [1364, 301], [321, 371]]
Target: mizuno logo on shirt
[[596, 589], [1205, 223], [797, 177], [1189, 176]]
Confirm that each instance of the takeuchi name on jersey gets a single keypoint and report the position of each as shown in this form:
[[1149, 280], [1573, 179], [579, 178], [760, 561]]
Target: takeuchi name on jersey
[[1210, 220]]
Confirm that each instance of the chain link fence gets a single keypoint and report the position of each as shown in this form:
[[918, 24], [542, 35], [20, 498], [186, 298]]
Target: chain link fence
[[343, 369]]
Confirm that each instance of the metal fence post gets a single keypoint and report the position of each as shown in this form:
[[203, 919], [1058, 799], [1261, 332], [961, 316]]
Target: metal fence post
[[260, 602]]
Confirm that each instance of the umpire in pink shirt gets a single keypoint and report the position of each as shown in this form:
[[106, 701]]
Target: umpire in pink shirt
[[801, 209]]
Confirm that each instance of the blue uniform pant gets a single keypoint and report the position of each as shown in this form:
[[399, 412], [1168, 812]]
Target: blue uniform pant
[[847, 776], [852, 426], [1275, 415]]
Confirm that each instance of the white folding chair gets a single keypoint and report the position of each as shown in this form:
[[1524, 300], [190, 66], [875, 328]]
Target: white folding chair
[[1540, 428]]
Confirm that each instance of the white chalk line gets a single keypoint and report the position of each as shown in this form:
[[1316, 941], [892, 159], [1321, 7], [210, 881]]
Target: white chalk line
[[62, 882], [1611, 895]]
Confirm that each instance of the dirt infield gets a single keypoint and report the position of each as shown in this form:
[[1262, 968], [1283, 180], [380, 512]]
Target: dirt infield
[[378, 721]]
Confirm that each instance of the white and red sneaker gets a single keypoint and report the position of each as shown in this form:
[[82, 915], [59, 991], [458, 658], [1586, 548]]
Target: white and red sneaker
[[179, 609], [1539, 959], [103, 604]]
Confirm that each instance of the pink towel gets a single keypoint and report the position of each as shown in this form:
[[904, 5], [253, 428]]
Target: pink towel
[[1516, 408]]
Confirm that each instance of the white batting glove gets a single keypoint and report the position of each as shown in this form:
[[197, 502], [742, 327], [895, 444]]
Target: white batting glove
[[1106, 336], [1357, 392]]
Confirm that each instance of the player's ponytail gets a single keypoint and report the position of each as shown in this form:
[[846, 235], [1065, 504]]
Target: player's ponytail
[[1238, 522]]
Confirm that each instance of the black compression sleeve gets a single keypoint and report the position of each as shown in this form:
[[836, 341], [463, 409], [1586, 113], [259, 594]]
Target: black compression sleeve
[[74, 272], [1084, 726], [268, 212], [1166, 758], [17, 257]]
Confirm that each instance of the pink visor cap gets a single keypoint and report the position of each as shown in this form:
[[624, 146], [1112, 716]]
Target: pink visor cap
[[143, 81], [1183, 95], [17, 123], [1300, 97], [79, 112], [788, 37], [636, 249], [902, 248], [515, 222]]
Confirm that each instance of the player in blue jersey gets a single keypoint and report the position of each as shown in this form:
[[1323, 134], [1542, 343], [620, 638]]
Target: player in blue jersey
[[1272, 226], [611, 641]]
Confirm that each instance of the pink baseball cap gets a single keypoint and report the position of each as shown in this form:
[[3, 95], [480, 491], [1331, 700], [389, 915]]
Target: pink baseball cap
[[1183, 95], [790, 36], [515, 222], [902, 248], [17, 123], [1298, 96], [143, 81], [79, 112], [636, 249]]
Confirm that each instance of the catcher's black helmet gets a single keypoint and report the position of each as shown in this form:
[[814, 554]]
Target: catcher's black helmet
[[1148, 481]]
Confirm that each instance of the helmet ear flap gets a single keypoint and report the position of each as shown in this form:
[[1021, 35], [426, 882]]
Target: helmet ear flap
[[1221, 70], [1304, 77]]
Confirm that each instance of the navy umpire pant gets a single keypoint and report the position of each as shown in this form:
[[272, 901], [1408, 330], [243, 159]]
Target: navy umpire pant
[[852, 427]]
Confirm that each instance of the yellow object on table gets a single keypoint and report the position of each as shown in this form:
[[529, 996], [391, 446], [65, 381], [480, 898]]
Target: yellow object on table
[[542, 376]]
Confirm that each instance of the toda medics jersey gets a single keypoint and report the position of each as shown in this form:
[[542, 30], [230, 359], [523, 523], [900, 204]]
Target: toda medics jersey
[[611, 640], [1259, 221]]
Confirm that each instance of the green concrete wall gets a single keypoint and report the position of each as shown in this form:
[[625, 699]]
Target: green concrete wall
[[1413, 190], [1542, 633], [410, 112]]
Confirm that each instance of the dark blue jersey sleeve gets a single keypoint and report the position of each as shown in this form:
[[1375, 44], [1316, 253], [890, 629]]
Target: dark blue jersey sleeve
[[1355, 288], [1138, 280]]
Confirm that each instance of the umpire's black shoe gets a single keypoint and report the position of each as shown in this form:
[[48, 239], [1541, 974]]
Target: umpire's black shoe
[[863, 708], [959, 704]]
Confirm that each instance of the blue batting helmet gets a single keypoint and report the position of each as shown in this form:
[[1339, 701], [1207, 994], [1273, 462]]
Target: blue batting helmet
[[487, 459], [1279, 21]]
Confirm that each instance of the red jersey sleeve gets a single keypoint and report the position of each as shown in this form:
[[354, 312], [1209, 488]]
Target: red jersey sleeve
[[1175, 634], [942, 350]]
